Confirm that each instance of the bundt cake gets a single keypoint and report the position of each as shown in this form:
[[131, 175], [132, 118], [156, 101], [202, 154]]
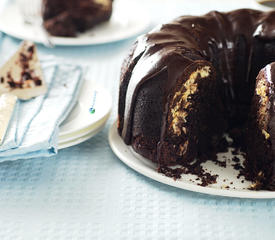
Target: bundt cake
[[68, 17], [186, 83]]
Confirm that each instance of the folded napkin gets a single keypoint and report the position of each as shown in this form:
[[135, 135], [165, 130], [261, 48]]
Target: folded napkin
[[33, 129]]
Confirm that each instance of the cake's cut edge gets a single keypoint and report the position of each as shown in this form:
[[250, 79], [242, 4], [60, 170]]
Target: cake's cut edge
[[260, 161]]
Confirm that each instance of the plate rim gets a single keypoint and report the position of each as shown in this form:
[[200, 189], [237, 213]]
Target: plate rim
[[84, 131], [116, 143], [81, 139], [143, 24]]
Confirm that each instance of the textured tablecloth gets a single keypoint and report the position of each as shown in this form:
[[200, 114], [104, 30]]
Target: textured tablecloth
[[86, 192]]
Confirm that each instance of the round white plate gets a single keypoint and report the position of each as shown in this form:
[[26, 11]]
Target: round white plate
[[124, 23], [81, 120], [84, 132], [88, 116], [227, 183]]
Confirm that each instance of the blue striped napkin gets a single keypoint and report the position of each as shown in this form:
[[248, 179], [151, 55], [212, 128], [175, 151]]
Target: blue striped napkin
[[33, 130]]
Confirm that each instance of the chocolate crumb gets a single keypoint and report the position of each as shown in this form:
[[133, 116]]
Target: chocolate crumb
[[37, 81], [23, 57], [11, 84], [235, 159], [235, 151], [195, 169], [26, 75], [220, 163], [223, 145], [30, 49], [169, 172], [237, 166]]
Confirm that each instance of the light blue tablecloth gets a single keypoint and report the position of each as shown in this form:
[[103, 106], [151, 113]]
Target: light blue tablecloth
[[85, 192]]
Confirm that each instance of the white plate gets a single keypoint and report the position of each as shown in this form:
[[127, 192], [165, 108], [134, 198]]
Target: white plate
[[81, 139], [84, 132], [81, 124], [80, 119], [147, 168], [124, 23]]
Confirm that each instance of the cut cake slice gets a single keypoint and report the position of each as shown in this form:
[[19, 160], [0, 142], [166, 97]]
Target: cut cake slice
[[22, 75]]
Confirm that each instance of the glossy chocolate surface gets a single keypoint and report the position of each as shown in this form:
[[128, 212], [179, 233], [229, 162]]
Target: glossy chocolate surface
[[213, 37], [236, 45]]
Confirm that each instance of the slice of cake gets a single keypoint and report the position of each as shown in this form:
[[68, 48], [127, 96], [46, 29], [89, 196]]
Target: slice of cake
[[22, 75], [68, 17]]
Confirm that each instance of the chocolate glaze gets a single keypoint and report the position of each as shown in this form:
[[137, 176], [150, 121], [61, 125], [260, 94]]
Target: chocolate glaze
[[236, 45], [187, 39]]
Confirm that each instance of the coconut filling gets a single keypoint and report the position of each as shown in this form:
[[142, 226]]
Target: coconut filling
[[262, 91], [179, 111], [180, 104]]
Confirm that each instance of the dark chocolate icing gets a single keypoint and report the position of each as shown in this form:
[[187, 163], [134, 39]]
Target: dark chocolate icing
[[188, 39], [236, 45]]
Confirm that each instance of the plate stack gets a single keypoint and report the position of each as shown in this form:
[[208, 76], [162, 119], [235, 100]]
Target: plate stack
[[87, 118]]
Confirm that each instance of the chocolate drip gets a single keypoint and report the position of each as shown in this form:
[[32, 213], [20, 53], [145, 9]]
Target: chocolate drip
[[187, 39], [237, 44]]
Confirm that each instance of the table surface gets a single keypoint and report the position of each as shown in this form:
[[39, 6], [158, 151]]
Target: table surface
[[86, 192]]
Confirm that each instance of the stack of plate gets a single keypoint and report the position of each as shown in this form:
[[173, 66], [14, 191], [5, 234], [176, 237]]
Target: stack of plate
[[88, 116]]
